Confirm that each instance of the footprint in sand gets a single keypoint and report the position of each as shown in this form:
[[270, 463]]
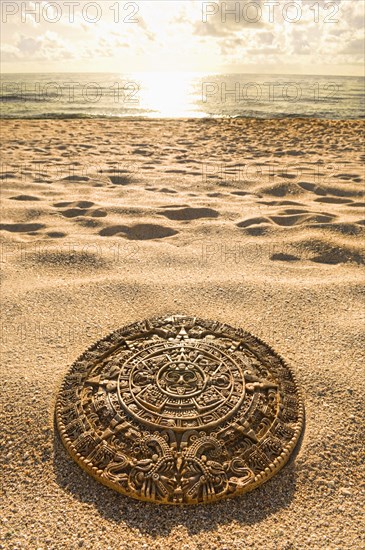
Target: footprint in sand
[[84, 204], [282, 257], [76, 178], [8, 175], [348, 177], [289, 218], [187, 214], [240, 193], [326, 253], [312, 187], [256, 227], [253, 221], [139, 232], [73, 212], [174, 206], [99, 213], [88, 222], [320, 251], [142, 152], [333, 200], [62, 204], [300, 219], [281, 190], [25, 198], [324, 190], [80, 208], [175, 171], [120, 179], [22, 227], [56, 234], [166, 190], [280, 203]]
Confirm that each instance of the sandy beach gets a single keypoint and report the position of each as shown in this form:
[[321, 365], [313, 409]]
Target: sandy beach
[[257, 223]]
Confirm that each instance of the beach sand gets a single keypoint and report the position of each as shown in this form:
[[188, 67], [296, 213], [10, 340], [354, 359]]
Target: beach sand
[[256, 223]]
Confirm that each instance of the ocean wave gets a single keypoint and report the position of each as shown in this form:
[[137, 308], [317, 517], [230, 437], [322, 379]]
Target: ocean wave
[[251, 115], [23, 98]]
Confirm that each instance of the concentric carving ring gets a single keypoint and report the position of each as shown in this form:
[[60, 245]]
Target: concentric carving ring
[[180, 410]]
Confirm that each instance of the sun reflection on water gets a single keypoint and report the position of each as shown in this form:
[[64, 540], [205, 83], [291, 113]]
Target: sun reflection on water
[[169, 94]]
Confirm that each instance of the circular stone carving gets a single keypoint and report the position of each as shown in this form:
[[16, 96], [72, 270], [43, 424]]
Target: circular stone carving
[[180, 410], [181, 386]]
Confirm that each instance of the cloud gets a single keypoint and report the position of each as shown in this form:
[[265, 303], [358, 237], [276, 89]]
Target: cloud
[[28, 46], [9, 53], [266, 37], [355, 46], [143, 25], [210, 29], [45, 47], [173, 34]]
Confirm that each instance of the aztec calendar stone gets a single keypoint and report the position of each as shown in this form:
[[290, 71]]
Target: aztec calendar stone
[[180, 410]]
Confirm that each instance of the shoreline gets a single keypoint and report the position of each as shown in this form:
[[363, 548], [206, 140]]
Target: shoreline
[[183, 119]]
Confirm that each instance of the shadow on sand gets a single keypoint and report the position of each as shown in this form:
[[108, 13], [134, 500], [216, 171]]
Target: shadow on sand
[[159, 521]]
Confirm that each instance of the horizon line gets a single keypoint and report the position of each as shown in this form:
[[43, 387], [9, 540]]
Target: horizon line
[[182, 72]]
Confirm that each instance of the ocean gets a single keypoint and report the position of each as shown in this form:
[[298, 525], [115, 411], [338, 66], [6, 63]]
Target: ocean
[[180, 95]]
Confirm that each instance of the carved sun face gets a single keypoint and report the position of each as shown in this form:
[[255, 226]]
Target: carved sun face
[[181, 378], [181, 385]]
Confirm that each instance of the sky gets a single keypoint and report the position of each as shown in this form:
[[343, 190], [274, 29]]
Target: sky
[[259, 36]]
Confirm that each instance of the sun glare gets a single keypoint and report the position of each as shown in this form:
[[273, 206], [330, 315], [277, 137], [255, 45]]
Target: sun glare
[[167, 94]]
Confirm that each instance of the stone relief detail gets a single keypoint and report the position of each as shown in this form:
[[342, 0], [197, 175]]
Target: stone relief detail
[[180, 410]]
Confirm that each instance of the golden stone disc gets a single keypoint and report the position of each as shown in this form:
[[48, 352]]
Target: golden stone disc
[[180, 410]]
